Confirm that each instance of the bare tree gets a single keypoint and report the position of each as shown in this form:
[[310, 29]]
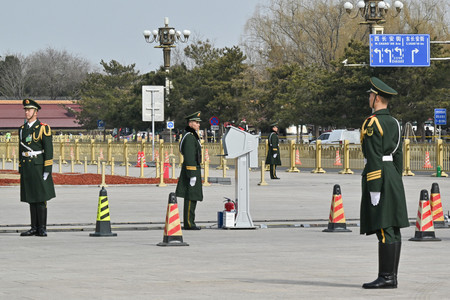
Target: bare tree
[[300, 31], [55, 73], [13, 76]]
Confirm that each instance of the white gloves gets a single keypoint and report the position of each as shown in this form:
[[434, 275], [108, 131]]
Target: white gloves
[[275, 155], [45, 175], [192, 181], [375, 198]]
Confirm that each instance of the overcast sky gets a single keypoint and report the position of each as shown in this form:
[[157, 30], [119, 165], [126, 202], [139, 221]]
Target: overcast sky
[[112, 29]]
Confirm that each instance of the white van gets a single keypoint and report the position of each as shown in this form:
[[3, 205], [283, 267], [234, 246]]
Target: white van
[[338, 136]]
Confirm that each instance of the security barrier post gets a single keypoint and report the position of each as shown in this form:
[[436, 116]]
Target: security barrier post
[[14, 162], [293, 168], [85, 165], [93, 162], [407, 158], [173, 168], [142, 166], [206, 174], [440, 157], [224, 164], [161, 166], [103, 184], [77, 152], [8, 149], [157, 167], [60, 164], [112, 165], [98, 165], [221, 166], [109, 152], [263, 181], [3, 161], [72, 165], [346, 151], [125, 153], [318, 168], [62, 148]]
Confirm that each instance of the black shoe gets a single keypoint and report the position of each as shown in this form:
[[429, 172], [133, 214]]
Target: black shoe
[[192, 228], [276, 178], [41, 231], [382, 282], [31, 232]]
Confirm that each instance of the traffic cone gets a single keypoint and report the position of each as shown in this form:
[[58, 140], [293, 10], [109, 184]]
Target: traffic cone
[[103, 226], [166, 165], [427, 164], [143, 160], [172, 231], [138, 163], [206, 155], [297, 157], [101, 154], [424, 222], [436, 207], [337, 219], [337, 162]]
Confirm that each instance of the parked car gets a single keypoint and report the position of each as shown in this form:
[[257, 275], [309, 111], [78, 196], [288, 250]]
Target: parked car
[[338, 136]]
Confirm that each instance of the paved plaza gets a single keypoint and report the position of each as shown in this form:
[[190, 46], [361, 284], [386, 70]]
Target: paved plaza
[[286, 257]]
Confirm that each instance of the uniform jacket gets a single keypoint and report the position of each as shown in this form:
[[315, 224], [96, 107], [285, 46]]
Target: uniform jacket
[[191, 150], [273, 149], [33, 188], [380, 137]]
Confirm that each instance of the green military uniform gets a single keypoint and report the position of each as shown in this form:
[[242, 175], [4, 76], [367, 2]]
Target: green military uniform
[[189, 184], [36, 161], [273, 154], [383, 203]]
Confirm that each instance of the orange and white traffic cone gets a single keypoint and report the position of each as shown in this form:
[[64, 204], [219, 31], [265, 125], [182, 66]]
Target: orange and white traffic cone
[[101, 154], [436, 207], [337, 218], [166, 165], [138, 163], [143, 160], [337, 162], [424, 223], [297, 157], [427, 164], [172, 231], [206, 155]]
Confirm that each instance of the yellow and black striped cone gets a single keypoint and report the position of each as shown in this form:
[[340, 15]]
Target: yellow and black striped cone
[[337, 218], [436, 207], [424, 223], [103, 226], [172, 231]]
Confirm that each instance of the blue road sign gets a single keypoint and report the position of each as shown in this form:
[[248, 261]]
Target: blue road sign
[[214, 121], [100, 124], [399, 50], [170, 124], [440, 116]]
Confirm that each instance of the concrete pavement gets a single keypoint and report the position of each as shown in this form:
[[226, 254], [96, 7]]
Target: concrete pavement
[[290, 259]]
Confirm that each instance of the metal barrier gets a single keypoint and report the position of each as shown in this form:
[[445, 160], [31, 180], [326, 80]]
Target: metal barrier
[[417, 156]]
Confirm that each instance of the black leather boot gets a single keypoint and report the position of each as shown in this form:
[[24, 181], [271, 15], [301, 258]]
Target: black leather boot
[[34, 224], [398, 247], [386, 268], [42, 220]]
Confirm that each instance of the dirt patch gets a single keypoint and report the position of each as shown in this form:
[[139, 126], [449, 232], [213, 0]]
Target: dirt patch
[[11, 177]]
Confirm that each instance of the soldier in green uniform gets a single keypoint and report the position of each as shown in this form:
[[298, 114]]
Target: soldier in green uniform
[[35, 168], [383, 203], [273, 155], [189, 184]]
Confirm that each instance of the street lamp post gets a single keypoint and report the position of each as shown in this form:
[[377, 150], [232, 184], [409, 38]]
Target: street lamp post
[[374, 13], [167, 38]]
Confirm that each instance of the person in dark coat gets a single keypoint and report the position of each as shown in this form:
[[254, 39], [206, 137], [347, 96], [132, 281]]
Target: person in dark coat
[[383, 203], [189, 184], [273, 154], [35, 168]]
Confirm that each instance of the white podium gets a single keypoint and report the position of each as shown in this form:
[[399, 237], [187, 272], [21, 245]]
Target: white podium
[[244, 147]]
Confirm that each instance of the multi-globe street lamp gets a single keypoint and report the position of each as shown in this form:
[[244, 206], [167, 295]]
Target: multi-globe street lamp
[[374, 13], [167, 38]]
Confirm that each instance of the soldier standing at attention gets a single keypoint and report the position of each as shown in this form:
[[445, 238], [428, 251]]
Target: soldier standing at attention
[[383, 203], [189, 184], [35, 168], [273, 157]]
